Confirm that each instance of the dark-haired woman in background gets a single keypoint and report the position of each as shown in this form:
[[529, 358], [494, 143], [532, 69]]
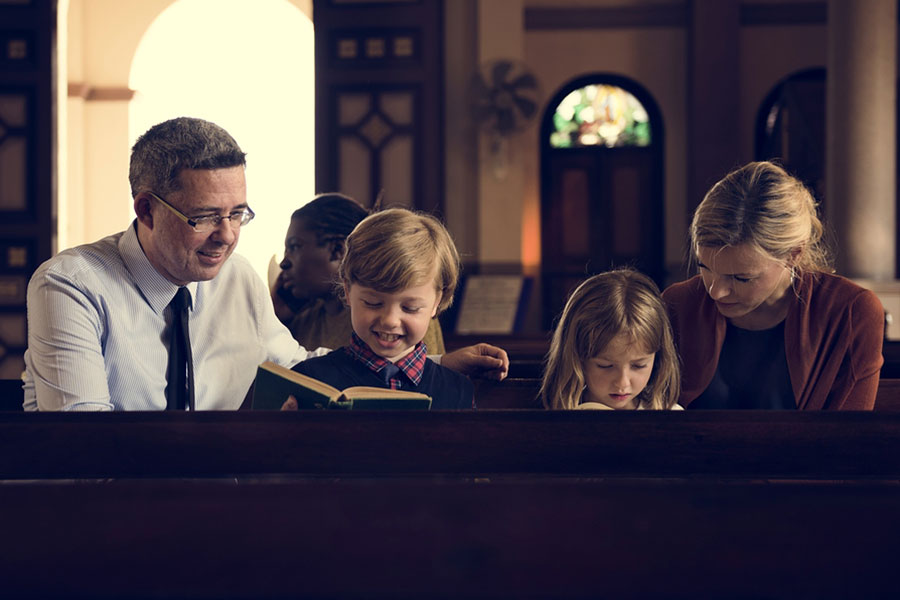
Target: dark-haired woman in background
[[304, 294]]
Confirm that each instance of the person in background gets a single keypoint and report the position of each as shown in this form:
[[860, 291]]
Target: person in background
[[306, 293], [100, 316], [766, 324], [399, 271], [612, 348]]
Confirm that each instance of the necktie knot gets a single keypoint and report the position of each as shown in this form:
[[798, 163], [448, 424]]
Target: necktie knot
[[389, 371], [182, 300]]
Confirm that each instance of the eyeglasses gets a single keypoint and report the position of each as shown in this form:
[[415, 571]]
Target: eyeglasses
[[209, 223]]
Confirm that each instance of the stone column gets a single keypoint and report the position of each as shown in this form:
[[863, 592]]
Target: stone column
[[861, 105]]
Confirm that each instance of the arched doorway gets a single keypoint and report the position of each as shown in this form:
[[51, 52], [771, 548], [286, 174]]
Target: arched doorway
[[790, 127], [250, 68], [601, 185]]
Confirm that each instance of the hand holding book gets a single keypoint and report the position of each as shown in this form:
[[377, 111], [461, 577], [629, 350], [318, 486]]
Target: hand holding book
[[280, 388]]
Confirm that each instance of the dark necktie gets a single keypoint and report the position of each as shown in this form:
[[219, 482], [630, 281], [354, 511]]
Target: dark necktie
[[388, 372], [180, 374]]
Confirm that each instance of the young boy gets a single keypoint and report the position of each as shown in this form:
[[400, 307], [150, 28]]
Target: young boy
[[399, 271]]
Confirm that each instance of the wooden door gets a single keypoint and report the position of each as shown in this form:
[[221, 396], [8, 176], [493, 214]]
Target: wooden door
[[602, 209]]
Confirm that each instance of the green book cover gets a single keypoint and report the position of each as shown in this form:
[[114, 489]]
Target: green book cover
[[275, 383]]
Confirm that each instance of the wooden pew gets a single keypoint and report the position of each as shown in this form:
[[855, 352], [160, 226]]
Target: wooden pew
[[557, 538], [888, 398], [714, 444], [11, 395], [515, 392]]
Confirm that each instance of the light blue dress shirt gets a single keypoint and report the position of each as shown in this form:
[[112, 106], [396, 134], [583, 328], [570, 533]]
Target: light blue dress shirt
[[97, 326]]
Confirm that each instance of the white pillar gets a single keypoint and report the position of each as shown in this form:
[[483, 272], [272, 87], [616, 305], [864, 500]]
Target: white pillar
[[501, 34], [861, 164]]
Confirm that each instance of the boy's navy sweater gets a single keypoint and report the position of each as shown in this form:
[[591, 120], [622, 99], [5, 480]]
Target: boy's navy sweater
[[447, 388]]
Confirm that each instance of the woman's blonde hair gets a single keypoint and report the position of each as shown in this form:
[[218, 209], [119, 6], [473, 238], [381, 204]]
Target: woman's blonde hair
[[762, 205], [395, 249], [606, 305]]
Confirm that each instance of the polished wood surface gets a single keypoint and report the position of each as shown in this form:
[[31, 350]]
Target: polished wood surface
[[521, 538], [771, 444]]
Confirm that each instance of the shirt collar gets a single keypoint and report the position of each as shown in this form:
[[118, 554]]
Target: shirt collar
[[156, 289], [412, 365]]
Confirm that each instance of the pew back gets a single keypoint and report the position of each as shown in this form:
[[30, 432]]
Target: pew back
[[741, 444], [451, 539]]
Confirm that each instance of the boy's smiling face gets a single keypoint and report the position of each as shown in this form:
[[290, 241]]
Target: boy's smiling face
[[392, 323]]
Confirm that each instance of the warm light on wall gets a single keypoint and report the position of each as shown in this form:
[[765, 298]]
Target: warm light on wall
[[247, 66], [531, 233]]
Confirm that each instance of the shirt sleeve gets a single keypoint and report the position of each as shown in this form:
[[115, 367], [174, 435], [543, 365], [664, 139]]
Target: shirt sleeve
[[64, 363]]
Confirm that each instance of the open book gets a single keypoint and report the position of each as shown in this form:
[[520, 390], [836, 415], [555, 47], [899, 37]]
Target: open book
[[275, 383]]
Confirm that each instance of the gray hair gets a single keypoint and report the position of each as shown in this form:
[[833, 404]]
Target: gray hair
[[166, 149]]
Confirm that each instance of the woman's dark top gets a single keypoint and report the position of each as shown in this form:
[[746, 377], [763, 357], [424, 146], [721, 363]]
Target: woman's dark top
[[752, 372]]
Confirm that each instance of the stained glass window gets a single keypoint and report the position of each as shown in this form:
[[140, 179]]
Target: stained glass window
[[600, 115]]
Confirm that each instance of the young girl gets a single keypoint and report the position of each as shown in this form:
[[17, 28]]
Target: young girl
[[613, 348]]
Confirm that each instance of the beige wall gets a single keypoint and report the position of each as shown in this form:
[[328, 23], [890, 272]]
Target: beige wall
[[102, 37], [768, 55], [489, 217], [653, 57]]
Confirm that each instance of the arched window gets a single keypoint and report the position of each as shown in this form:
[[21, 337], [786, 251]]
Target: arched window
[[600, 114], [601, 185]]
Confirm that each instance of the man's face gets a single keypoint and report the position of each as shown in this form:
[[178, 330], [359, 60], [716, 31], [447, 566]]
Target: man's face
[[178, 252], [308, 269]]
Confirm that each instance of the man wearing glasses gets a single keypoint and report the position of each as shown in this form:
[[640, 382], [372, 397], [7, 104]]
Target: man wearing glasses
[[99, 315]]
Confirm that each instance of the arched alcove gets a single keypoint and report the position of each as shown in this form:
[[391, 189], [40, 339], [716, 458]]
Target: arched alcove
[[601, 145], [249, 67], [790, 127]]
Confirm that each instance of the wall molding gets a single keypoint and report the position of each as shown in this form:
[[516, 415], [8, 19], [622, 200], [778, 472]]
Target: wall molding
[[675, 15], [100, 94], [666, 15], [790, 13]]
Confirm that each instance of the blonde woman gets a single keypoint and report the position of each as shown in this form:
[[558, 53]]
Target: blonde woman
[[612, 348], [765, 324]]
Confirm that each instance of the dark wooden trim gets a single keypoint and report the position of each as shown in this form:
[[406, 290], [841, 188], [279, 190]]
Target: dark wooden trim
[[751, 444], [788, 13], [752, 14], [662, 15]]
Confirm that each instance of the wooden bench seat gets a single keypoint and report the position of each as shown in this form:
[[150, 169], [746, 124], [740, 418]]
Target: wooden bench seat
[[451, 539]]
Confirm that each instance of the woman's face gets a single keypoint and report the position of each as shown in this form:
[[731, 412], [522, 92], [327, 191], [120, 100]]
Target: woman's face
[[308, 269], [743, 282]]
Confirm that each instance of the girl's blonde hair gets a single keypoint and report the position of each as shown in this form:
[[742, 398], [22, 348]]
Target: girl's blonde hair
[[762, 205], [395, 249], [606, 305]]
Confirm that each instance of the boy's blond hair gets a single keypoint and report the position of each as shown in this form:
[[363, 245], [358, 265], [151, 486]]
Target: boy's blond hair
[[395, 249]]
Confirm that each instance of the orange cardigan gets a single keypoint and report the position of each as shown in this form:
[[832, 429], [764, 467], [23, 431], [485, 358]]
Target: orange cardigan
[[833, 335]]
